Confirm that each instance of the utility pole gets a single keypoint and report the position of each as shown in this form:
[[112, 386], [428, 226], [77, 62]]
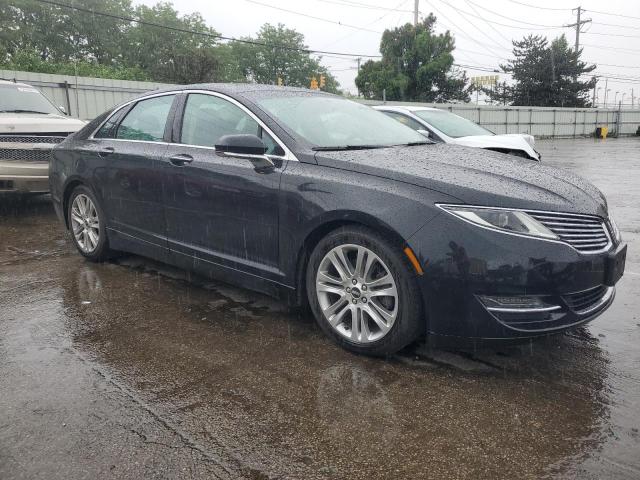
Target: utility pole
[[606, 91], [578, 26], [415, 12], [632, 98], [593, 103]]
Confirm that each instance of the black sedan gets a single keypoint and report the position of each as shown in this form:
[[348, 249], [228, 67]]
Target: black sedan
[[326, 202]]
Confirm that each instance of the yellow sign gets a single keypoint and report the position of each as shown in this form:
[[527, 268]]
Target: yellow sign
[[485, 80]]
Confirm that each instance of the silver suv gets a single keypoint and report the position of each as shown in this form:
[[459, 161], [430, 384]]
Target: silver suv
[[30, 126]]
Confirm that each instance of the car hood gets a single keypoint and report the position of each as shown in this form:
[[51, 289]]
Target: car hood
[[17, 123], [476, 177], [509, 141]]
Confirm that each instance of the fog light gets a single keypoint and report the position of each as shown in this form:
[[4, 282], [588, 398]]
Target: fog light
[[517, 304]]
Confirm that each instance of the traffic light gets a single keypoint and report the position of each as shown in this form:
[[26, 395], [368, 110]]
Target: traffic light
[[314, 83], [280, 82], [322, 81]]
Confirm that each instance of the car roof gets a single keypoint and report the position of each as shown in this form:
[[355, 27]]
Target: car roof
[[409, 108], [248, 90], [15, 84]]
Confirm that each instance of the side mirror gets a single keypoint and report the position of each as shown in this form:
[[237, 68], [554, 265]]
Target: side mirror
[[246, 146], [63, 110], [425, 133]]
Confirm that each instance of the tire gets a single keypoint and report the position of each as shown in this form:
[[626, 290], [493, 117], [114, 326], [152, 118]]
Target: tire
[[95, 245], [366, 292]]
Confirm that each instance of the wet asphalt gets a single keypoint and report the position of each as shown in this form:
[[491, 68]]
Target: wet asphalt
[[130, 369]]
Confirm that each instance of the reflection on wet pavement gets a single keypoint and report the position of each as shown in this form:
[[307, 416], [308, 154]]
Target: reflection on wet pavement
[[132, 369]]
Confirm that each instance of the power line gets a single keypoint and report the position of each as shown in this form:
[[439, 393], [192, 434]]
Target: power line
[[604, 47], [369, 24], [611, 34], [321, 19], [461, 32], [204, 34], [346, 3], [613, 14], [488, 23], [464, 16], [514, 19], [538, 7]]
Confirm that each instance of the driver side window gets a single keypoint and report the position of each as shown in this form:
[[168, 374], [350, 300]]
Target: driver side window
[[207, 118]]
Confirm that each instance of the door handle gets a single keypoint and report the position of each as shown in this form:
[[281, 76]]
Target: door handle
[[106, 151], [181, 159]]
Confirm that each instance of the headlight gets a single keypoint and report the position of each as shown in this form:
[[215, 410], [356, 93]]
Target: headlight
[[512, 221]]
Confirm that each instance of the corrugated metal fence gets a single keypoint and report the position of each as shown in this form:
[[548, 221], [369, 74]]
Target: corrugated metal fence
[[542, 121], [86, 97], [82, 97]]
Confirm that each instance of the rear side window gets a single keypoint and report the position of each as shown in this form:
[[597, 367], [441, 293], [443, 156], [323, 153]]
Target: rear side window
[[146, 120], [207, 118]]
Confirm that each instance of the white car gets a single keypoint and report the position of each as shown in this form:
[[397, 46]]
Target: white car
[[442, 126], [30, 126]]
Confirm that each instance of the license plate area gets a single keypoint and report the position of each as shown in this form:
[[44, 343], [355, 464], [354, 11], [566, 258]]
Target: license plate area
[[614, 268]]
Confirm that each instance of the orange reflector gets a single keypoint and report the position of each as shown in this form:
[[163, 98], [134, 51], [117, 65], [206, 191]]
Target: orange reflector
[[414, 261]]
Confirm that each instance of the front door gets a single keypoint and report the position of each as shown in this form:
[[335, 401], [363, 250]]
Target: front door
[[220, 211]]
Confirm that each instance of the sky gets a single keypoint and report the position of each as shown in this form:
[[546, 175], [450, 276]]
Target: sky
[[355, 26]]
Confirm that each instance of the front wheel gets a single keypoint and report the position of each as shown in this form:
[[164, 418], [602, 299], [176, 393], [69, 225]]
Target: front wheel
[[363, 292], [86, 222]]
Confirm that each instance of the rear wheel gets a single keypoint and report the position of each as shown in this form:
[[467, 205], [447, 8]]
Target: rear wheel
[[86, 222], [363, 292]]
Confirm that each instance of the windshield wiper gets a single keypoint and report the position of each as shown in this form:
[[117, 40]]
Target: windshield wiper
[[413, 144], [347, 147], [18, 110]]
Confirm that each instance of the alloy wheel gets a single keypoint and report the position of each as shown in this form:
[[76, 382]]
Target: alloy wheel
[[85, 223], [357, 293]]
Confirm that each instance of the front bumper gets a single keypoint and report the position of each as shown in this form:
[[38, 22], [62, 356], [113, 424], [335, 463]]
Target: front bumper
[[464, 264], [24, 177]]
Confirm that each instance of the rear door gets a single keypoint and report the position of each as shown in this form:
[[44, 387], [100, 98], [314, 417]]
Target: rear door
[[133, 180], [221, 211]]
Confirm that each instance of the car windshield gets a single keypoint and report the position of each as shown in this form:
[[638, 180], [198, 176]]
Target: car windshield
[[24, 99], [330, 122], [450, 124]]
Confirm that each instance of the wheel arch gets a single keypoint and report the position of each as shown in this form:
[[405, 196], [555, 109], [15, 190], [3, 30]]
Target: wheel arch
[[324, 227], [69, 187]]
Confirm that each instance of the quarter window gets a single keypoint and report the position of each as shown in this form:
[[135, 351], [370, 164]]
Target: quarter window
[[146, 120], [108, 130], [207, 118], [409, 122]]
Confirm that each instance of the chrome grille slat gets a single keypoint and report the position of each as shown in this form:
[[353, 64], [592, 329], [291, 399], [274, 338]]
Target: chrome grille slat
[[566, 224], [587, 234]]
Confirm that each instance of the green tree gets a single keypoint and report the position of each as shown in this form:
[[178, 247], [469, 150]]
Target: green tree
[[416, 65], [548, 75], [279, 52], [60, 34], [172, 55]]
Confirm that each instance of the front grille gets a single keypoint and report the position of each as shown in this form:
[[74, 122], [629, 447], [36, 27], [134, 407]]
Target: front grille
[[582, 301], [24, 154], [585, 233], [34, 138], [28, 148]]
